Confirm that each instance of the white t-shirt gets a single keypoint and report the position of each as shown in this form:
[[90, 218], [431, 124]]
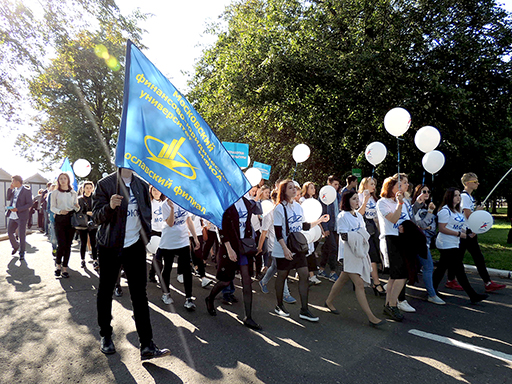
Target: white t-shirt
[[371, 207], [197, 226], [455, 222], [242, 216], [467, 202], [295, 219], [16, 191], [157, 219], [268, 225], [348, 223], [385, 206], [175, 237], [133, 224]]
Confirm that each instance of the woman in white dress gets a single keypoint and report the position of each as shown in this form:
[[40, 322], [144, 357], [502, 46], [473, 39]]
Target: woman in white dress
[[353, 249]]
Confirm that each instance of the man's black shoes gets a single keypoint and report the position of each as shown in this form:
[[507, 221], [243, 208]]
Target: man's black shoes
[[152, 352], [107, 346]]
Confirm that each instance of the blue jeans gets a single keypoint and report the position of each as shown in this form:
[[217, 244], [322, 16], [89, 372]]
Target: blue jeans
[[428, 269], [270, 272]]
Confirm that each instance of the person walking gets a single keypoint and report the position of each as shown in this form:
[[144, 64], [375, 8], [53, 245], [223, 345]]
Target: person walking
[[89, 234], [122, 209], [19, 202], [64, 201]]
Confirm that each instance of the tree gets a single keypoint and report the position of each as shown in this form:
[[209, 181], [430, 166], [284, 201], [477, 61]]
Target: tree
[[325, 73]]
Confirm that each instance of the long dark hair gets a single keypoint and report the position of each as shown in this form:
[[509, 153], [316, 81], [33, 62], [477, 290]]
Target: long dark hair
[[448, 199], [417, 193], [70, 188], [281, 191]]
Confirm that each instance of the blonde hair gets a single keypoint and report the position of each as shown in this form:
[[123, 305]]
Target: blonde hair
[[468, 176]]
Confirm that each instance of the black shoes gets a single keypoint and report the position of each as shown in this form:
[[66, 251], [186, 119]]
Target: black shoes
[[209, 306], [152, 352], [377, 325], [22, 257], [393, 312], [250, 323], [479, 297], [107, 346], [333, 311], [83, 264], [118, 292], [14, 251]]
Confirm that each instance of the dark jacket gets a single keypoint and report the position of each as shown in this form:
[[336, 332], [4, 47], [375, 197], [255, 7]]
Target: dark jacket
[[85, 203], [231, 227], [23, 204], [112, 222]]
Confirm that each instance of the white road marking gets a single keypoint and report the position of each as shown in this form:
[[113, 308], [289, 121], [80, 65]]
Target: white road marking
[[446, 340]]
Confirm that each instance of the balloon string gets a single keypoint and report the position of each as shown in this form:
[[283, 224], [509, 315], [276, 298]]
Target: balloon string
[[398, 146], [294, 171], [423, 182], [496, 186], [373, 171]]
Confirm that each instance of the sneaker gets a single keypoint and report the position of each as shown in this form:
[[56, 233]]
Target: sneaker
[[281, 311], [180, 279], [288, 299], [314, 280], [333, 277], [82, 264], [189, 304], [307, 315], [491, 286], [436, 300], [96, 265], [263, 287], [393, 312], [118, 291], [205, 282], [166, 298], [404, 306], [453, 285], [323, 274]]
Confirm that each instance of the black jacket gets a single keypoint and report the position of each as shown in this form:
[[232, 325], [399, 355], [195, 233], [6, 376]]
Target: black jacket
[[112, 223]]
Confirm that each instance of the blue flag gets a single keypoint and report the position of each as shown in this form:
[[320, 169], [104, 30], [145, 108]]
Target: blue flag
[[167, 143], [66, 167]]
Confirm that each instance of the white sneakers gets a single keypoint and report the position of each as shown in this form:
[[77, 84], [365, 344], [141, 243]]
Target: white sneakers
[[205, 282], [404, 306], [166, 298], [436, 300], [314, 280], [180, 279]]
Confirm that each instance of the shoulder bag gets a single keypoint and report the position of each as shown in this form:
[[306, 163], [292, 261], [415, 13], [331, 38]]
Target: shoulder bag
[[296, 241]]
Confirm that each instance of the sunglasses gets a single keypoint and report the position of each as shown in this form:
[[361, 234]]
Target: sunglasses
[[425, 192]]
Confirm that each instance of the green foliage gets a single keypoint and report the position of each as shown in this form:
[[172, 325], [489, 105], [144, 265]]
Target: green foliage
[[325, 73]]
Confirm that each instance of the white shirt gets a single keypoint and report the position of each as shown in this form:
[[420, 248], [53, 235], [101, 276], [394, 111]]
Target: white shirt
[[348, 223], [197, 226], [467, 202], [370, 212], [268, 225], [157, 219], [174, 237], [242, 216], [133, 224], [295, 219], [14, 215], [385, 206], [63, 201], [455, 222]]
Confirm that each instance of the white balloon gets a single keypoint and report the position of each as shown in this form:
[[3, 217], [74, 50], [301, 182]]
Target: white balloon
[[82, 168], [253, 175], [248, 162], [312, 210], [313, 234], [427, 138], [327, 194], [267, 206], [433, 161], [397, 121], [153, 244], [301, 153], [375, 153], [480, 222]]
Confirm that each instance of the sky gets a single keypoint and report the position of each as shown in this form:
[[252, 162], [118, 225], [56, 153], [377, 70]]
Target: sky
[[175, 39]]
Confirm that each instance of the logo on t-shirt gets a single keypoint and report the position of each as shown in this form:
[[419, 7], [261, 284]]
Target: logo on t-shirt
[[180, 216]]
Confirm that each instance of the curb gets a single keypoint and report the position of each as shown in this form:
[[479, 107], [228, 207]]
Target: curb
[[501, 273]]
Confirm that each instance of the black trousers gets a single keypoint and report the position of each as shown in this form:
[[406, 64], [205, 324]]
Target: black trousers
[[210, 242], [133, 260], [452, 259], [64, 233], [471, 244], [183, 254], [197, 255], [84, 233], [330, 251]]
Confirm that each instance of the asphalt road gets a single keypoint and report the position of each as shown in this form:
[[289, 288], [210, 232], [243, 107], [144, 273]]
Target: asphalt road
[[48, 334]]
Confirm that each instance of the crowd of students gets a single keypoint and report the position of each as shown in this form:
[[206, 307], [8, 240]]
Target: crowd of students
[[363, 234]]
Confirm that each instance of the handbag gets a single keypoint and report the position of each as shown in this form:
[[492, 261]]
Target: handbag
[[79, 220], [248, 246], [296, 241]]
